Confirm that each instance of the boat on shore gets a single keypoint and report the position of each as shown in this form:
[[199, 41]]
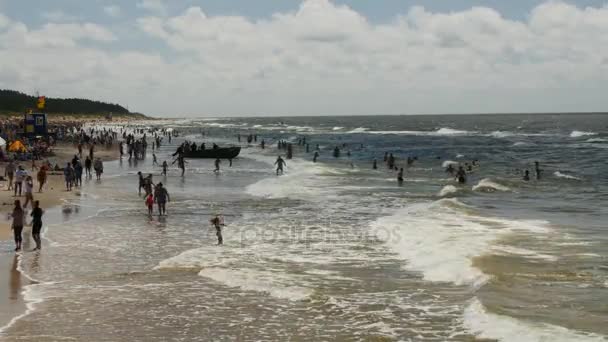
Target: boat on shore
[[221, 153]]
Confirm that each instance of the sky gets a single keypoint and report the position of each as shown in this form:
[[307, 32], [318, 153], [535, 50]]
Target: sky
[[177, 58]]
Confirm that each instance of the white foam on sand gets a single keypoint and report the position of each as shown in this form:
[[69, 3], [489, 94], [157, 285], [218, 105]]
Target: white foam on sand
[[578, 134], [565, 176], [503, 328], [273, 284], [441, 238], [488, 185]]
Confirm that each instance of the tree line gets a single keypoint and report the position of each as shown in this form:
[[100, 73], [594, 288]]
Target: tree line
[[14, 101]]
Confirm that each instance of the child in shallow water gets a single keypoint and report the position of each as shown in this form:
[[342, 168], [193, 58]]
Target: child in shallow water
[[150, 204]]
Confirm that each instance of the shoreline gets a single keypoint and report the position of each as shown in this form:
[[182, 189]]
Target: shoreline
[[54, 195]]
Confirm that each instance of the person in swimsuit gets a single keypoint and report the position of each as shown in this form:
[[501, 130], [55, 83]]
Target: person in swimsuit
[[17, 226], [36, 214], [218, 223]]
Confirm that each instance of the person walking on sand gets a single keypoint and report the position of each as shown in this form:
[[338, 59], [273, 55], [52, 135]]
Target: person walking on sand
[[161, 197], [20, 175], [17, 226], [41, 177], [154, 160], [29, 191], [87, 167], [9, 172], [280, 163], [68, 174], [36, 214], [98, 166], [218, 223], [150, 204]]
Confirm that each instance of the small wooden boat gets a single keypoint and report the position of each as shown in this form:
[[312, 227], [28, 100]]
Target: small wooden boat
[[213, 153]]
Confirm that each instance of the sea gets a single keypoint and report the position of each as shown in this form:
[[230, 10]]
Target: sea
[[336, 250]]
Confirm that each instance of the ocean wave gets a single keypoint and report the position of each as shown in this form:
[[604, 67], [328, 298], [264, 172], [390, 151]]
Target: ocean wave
[[271, 283], [337, 128], [448, 190], [596, 140], [359, 130], [447, 163], [301, 180], [565, 176], [439, 132], [486, 325], [520, 143], [488, 185], [440, 239], [578, 134]]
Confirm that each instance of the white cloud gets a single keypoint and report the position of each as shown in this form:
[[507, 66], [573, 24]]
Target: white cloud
[[328, 59], [112, 10], [157, 6], [59, 16]]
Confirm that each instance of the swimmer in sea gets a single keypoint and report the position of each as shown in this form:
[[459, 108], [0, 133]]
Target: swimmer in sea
[[461, 175], [280, 163], [450, 169]]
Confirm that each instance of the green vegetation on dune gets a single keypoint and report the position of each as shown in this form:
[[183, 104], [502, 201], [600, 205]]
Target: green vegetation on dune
[[13, 101]]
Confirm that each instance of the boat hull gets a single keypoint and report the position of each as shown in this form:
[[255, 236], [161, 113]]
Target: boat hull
[[221, 153]]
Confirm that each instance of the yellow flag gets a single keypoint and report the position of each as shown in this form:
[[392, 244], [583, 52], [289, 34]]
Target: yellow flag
[[41, 102]]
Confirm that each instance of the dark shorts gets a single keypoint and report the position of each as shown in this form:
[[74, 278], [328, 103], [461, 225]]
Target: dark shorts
[[36, 228]]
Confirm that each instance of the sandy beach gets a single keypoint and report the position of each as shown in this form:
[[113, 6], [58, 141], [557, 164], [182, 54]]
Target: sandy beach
[[53, 194]]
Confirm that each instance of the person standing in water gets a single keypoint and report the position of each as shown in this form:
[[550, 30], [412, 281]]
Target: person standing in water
[[165, 167], [375, 164], [315, 157], [527, 175], [36, 214], [68, 174], [280, 163], [150, 204], [98, 168], [537, 170], [87, 167], [217, 165], [400, 176], [218, 223], [161, 197], [17, 226], [461, 175]]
